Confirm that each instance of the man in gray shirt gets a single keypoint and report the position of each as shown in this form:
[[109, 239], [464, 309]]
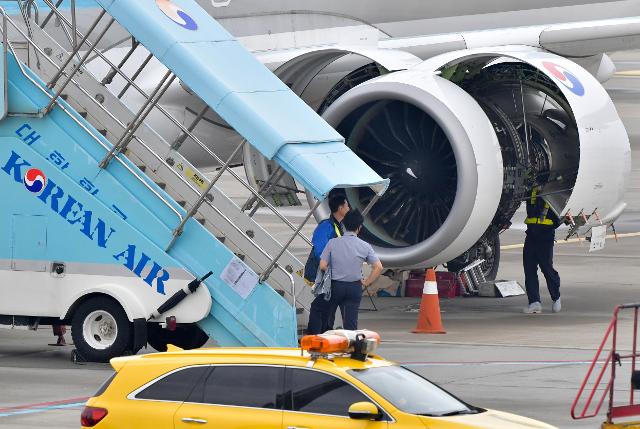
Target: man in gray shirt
[[344, 257]]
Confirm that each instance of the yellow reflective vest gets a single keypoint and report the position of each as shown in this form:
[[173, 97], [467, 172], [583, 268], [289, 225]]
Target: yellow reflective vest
[[541, 217]]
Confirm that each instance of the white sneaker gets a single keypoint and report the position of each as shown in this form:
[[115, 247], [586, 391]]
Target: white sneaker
[[557, 306], [533, 308]]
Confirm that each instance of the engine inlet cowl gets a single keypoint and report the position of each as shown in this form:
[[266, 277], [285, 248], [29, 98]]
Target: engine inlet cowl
[[440, 151]]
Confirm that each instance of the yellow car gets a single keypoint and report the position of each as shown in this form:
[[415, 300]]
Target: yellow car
[[332, 382]]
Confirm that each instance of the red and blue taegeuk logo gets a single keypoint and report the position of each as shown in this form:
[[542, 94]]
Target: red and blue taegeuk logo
[[566, 78], [176, 14], [34, 180]]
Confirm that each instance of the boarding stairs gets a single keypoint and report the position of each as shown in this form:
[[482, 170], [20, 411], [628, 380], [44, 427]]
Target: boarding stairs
[[158, 159], [123, 131]]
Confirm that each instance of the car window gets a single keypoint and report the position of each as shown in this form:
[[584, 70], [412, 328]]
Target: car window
[[316, 392], [176, 386], [243, 386], [411, 393]]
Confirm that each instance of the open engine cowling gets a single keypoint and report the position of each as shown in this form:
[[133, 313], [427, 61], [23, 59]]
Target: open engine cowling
[[463, 137]]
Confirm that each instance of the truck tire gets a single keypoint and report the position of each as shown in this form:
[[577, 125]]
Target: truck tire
[[186, 337], [100, 329]]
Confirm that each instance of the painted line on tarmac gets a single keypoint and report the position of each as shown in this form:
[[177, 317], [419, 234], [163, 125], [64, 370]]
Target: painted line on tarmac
[[42, 407], [503, 363], [627, 73], [41, 410], [573, 240]]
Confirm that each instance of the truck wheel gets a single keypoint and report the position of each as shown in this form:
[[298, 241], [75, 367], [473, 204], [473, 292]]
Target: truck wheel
[[186, 337], [100, 329]]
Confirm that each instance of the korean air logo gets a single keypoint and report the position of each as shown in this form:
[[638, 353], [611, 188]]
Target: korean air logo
[[34, 180], [565, 77], [177, 15]]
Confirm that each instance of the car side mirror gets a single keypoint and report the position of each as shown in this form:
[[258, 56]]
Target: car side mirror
[[364, 411]]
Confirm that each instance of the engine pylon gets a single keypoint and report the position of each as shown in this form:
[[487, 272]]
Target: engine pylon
[[429, 321]]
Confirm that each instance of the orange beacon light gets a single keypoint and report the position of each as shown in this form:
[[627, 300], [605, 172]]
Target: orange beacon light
[[359, 343], [325, 344]]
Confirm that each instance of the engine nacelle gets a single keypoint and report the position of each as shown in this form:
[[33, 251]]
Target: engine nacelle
[[441, 152], [588, 156]]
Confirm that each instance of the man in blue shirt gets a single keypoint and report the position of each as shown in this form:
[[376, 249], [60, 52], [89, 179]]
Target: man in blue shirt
[[343, 257], [326, 230]]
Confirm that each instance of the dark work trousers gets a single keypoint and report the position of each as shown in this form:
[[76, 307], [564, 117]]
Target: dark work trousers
[[319, 316], [538, 251], [346, 295], [332, 316]]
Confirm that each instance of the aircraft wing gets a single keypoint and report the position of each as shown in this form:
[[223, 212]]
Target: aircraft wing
[[593, 37], [574, 40]]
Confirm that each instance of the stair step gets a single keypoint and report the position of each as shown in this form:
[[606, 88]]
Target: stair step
[[241, 256], [202, 221], [162, 185], [142, 168], [280, 292], [83, 114], [222, 239], [182, 203], [103, 132], [65, 97]]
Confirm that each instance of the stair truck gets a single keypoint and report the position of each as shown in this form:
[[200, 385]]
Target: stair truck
[[106, 227]]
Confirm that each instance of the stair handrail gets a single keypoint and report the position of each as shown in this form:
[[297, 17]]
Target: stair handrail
[[287, 274], [177, 123], [177, 232], [596, 360], [7, 19], [182, 179], [613, 358], [9, 45]]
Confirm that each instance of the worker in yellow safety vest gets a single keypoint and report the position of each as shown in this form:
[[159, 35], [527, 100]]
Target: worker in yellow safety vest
[[538, 252], [321, 318]]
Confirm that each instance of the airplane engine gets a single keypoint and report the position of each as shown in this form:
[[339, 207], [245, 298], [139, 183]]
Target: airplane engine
[[440, 151], [464, 136]]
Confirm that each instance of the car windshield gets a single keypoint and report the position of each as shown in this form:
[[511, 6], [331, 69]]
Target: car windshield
[[411, 393]]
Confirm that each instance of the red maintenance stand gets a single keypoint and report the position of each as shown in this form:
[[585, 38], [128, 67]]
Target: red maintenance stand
[[611, 360]]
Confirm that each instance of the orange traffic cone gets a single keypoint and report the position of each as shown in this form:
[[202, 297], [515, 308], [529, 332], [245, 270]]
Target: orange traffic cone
[[429, 318]]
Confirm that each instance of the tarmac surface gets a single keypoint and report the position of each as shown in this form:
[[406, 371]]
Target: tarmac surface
[[491, 356]]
